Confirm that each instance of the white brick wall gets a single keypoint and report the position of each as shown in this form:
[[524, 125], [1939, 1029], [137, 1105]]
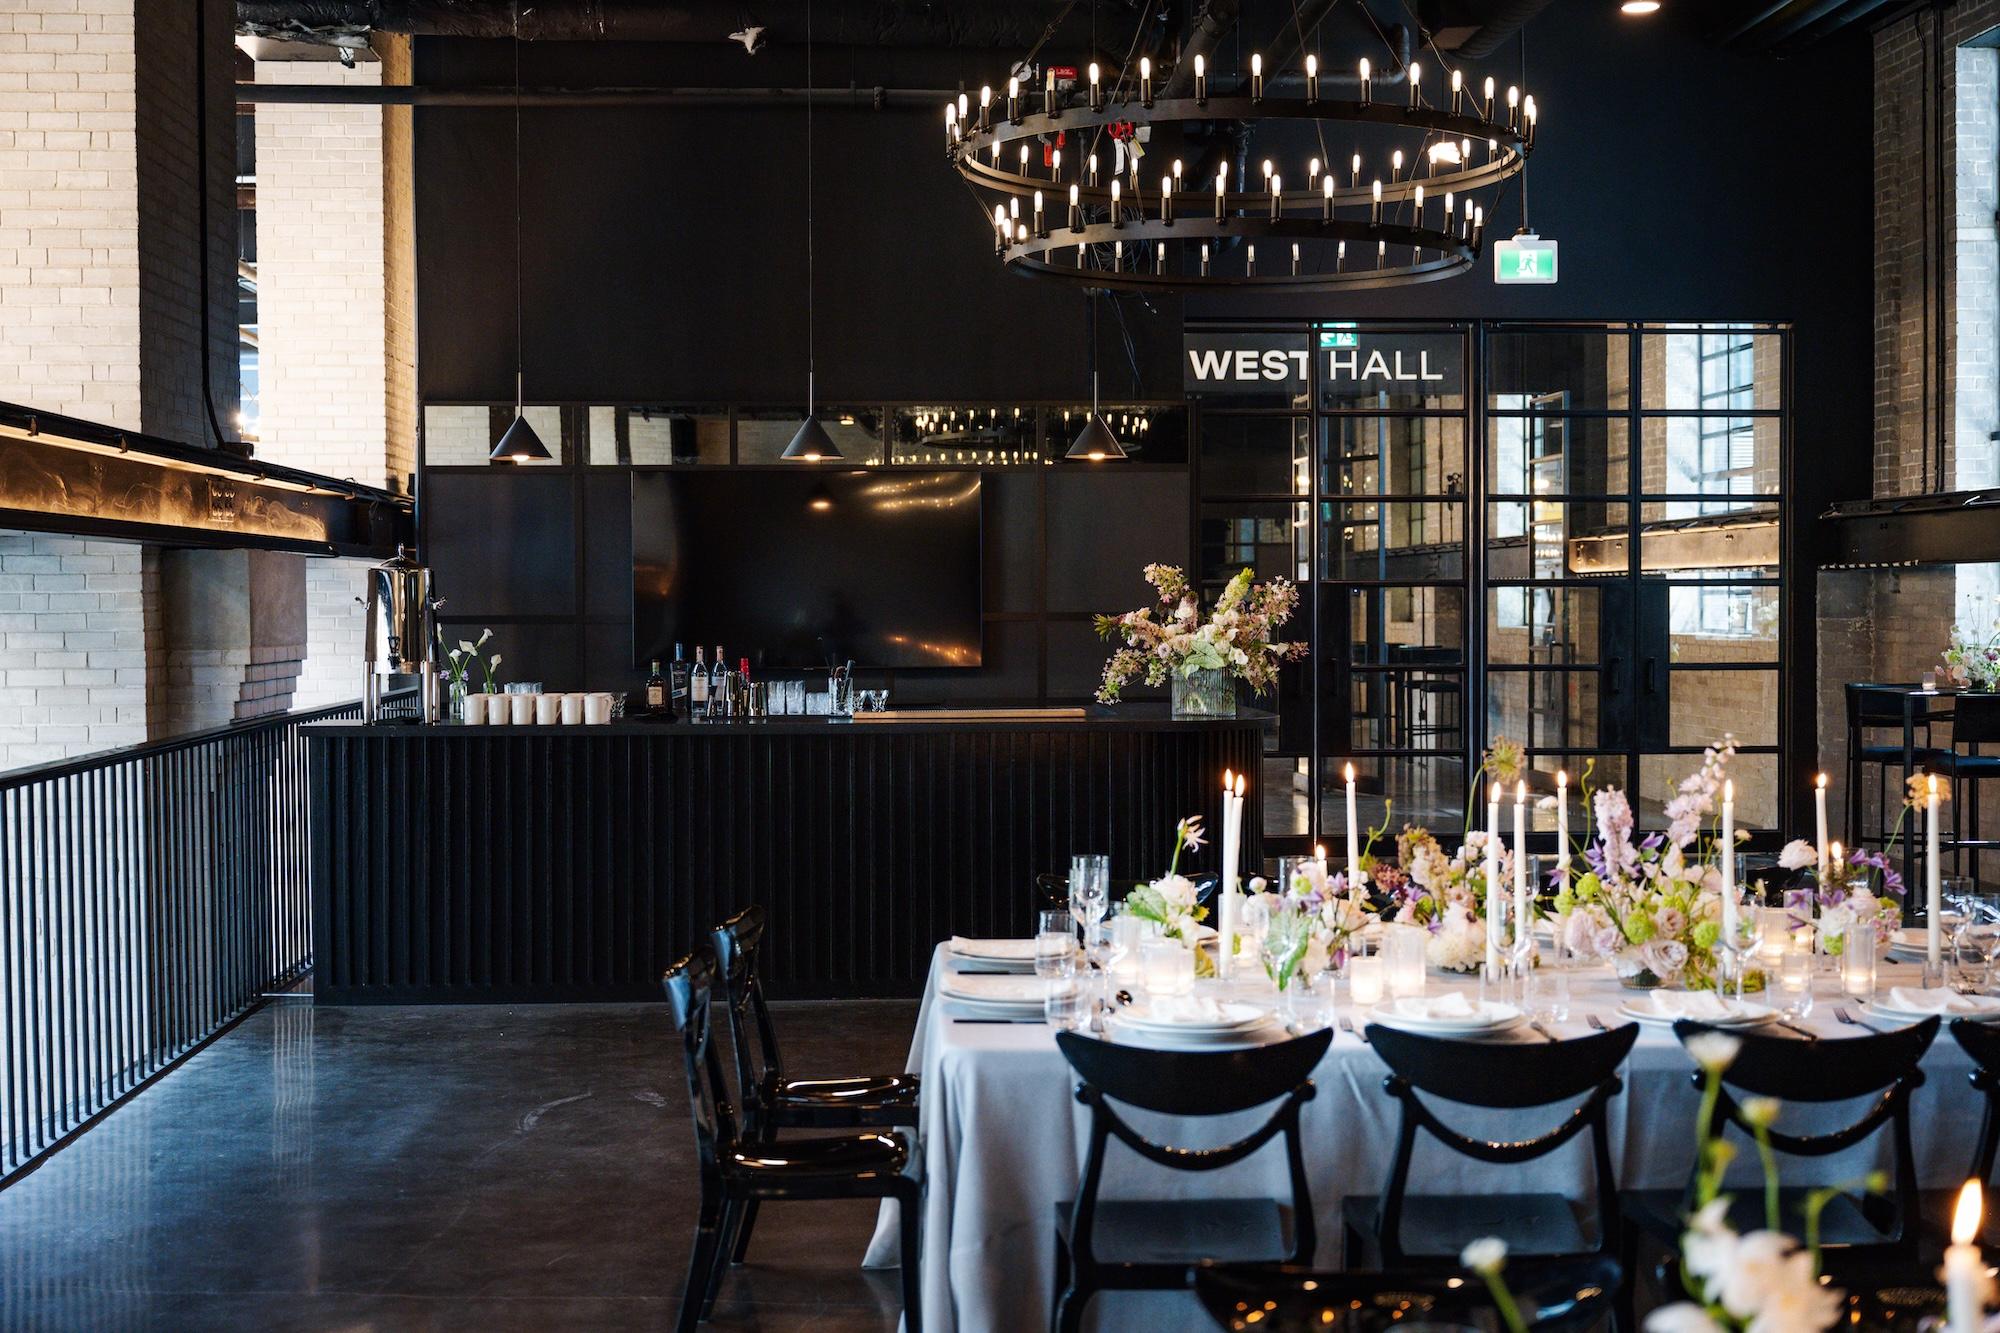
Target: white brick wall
[[72, 647], [335, 632]]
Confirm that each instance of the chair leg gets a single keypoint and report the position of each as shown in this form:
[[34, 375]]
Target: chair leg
[[1069, 1309], [701, 1268], [1061, 1283], [909, 1210], [744, 1221], [732, 1217]]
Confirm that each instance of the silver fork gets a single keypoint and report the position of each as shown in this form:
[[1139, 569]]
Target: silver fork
[[1840, 1012], [1596, 1023], [1347, 1026], [1536, 1025]]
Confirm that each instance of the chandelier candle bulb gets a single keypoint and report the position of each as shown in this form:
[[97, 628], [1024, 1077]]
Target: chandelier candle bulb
[[1312, 78], [1075, 210], [1256, 77], [1014, 208], [1014, 100], [1118, 256], [985, 107], [1529, 140], [1326, 201], [1160, 261], [1513, 108], [1375, 208], [1418, 200], [1096, 89], [1488, 113], [1000, 229], [1367, 87], [1933, 889], [1356, 166], [1964, 1266], [1295, 259], [1167, 200], [964, 110], [1204, 259], [1416, 77], [1049, 94], [1339, 256], [1200, 81], [1093, 170], [1055, 164], [1478, 226], [950, 124], [1117, 220], [1145, 81], [1277, 198], [1395, 164], [1312, 174], [1381, 254], [1250, 265], [1457, 91], [1222, 193], [1493, 899], [1447, 211], [1177, 172], [1040, 230]]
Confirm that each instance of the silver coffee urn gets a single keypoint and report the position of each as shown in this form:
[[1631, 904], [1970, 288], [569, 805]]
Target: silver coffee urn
[[402, 636]]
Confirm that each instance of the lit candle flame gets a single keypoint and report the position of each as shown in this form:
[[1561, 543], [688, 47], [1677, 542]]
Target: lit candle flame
[[1965, 1217]]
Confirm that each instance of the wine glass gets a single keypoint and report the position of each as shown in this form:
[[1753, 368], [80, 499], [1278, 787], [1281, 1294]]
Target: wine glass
[[1975, 942], [1253, 923], [1741, 946], [1283, 945], [1089, 888]]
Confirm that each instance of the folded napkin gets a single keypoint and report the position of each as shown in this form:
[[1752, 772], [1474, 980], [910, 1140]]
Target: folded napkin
[[1703, 1006], [1022, 950], [1935, 1000], [1451, 1004]]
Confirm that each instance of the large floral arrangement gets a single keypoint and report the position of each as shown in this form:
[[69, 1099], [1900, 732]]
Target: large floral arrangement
[[1858, 886], [1446, 894], [1653, 906], [1171, 902], [1171, 638], [1970, 663], [1323, 914]]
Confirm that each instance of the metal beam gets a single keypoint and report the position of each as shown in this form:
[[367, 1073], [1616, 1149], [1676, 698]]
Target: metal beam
[[366, 95]]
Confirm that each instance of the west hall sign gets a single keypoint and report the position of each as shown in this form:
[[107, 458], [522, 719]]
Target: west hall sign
[[1349, 362]]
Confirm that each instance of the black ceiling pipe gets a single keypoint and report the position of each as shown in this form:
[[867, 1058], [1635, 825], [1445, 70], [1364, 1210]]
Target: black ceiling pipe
[[1503, 20], [961, 23]]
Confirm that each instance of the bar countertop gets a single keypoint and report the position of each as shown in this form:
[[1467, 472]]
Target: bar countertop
[[1095, 717]]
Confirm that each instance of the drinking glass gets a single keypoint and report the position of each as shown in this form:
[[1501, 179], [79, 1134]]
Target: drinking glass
[[1089, 888], [1740, 949], [1055, 946], [1975, 942], [1795, 980], [1253, 922], [1365, 978], [1403, 959], [1545, 994], [1311, 1001], [1284, 937], [1126, 932], [1857, 960], [1063, 1007], [1166, 968], [1290, 870], [1773, 932]]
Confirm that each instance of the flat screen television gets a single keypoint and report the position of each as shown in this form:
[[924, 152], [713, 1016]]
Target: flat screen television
[[797, 569]]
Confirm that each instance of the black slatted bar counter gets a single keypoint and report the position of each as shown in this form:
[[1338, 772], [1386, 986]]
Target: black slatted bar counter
[[507, 864]]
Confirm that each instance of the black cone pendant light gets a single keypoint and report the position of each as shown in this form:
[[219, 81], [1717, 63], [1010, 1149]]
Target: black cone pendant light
[[812, 444], [1094, 443], [519, 444]]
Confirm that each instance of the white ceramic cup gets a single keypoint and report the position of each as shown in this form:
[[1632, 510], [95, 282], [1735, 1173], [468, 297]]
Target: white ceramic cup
[[596, 709], [497, 710], [572, 709], [475, 710], [548, 709], [523, 709]]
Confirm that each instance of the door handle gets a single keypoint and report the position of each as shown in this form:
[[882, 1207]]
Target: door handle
[[1652, 675]]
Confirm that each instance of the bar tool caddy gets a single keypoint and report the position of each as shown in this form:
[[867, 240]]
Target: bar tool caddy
[[402, 638]]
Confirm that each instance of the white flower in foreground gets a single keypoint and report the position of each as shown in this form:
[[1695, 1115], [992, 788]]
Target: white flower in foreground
[[1486, 1255], [1708, 1244], [1681, 1317], [1797, 855], [1714, 1051], [1762, 1111]]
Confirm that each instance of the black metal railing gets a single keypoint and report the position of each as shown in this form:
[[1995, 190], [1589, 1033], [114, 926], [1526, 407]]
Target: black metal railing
[[149, 897]]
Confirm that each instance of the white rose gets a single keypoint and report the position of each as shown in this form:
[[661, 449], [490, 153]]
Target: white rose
[[1797, 855]]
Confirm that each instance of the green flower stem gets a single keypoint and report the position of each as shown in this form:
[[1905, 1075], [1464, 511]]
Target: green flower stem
[[1503, 1300], [1770, 1163]]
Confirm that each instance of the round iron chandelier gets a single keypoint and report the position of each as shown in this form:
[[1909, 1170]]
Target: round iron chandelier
[[1067, 197]]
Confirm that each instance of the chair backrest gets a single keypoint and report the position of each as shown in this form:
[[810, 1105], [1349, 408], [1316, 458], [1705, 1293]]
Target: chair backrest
[[1872, 706], [1551, 1296], [1882, 1065], [690, 987], [1499, 1076], [1051, 892], [752, 1035], [1975, 720], [1981, 1041], [1193, 1083]]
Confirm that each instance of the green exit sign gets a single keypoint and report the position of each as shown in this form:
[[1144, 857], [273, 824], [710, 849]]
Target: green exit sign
[[1527, 259], [1340, 333]]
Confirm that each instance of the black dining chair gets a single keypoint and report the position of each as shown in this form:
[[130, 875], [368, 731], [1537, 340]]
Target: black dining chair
[[1401, 1230], [1051, 892], [771, 1100], [1981, 1041], [1877, 708], [1975, 724], [736, 1174], [1104, 1245], [1553, 1296], [1860, 1235]]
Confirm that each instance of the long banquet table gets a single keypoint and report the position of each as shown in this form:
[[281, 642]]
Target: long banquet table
[[1003, 1140]]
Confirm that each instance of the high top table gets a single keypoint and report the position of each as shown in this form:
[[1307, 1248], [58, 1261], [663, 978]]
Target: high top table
[[1003, 1140]]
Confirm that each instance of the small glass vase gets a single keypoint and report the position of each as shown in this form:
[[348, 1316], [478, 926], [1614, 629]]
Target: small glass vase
[[1205, 694], [1644, 979], [454, 706]]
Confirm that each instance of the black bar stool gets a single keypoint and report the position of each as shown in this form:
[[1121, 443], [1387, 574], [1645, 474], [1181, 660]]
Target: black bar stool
[[1149, 1246], [1877, 708], [736, 1175], [1975, 722]]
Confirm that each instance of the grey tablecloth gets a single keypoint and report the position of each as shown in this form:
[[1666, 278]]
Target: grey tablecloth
[[1003, 1140]]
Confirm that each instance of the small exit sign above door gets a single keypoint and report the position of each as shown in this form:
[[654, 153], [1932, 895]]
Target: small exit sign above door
[[1525, 259]]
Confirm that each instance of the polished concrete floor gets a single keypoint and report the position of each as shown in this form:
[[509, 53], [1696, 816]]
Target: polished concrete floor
[[427, 1168]]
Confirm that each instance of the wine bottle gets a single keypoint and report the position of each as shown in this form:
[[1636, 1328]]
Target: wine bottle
[[698, 689], [656, 691], [680, 677], [718, 685]]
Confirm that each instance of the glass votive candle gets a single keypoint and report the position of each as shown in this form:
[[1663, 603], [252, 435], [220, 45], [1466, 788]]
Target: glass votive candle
[[1364, 981], [1126, 934], [1857, 960], [1166, 968], [1403, 958]]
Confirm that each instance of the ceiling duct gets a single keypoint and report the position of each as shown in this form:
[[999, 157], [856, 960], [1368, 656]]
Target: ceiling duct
[[898, 23], [1475, 29]]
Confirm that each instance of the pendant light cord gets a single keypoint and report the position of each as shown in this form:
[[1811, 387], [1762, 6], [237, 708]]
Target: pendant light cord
[[520, 357], [812, 365]]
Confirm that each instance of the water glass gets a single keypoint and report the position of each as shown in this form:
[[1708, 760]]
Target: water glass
[[1063, 1007], [1975, 942], [1055, 947], [1166, 968], [1796, 967], [1126, 933], [1403, 959], [1545, 994], [1857, 960], [1310, 1001], [1365, 979], [1773, 934], [1089, 888]]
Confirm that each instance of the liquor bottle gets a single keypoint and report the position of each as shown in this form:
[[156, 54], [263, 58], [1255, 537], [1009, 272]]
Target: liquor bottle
[[656, 691], [743, 669], [698, 689], [680, 678], [718, 685]]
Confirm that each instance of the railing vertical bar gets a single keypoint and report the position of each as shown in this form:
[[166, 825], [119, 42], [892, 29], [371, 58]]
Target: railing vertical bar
[[11, 895]]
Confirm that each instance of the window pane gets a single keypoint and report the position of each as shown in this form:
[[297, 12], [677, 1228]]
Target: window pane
[[1707, 704], [1393, 456], [658, 436], [1427, 790], [1410, 707], [1557, 455], [1271, 539], [1544, 626], [1755, 776], [1718, 462], [947, 435], [1254, 455], [1392, 541], [761, 436], [1723, 622], [1711, 369], [1405, 626], [1558, 370], [456, 436], [1547, 539], [1543, 709], [1588, 773]]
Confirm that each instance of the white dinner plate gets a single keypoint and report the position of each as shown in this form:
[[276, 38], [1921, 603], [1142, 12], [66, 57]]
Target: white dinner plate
[[1221, 1017], [974, 1009], [1917, 940], [1261, 1033], [993, 951], [1746, 1014], [1487, 1016], [994, 989], [1985, 1009]]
